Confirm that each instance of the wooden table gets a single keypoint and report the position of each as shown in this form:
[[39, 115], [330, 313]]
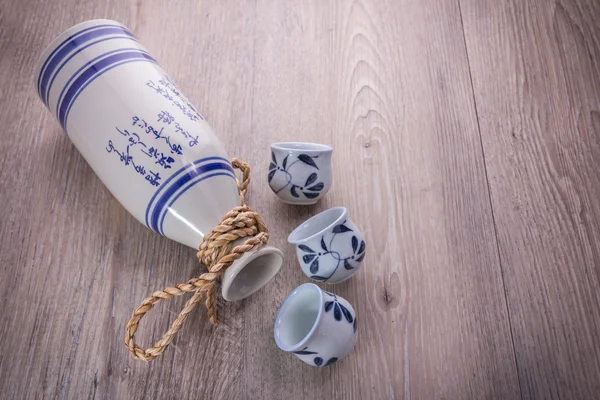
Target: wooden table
[[467, 146]]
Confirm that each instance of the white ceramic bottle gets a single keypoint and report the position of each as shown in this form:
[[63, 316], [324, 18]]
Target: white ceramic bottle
[[145, 141]]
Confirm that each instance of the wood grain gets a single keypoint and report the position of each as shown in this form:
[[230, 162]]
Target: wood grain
[[466, 147], [537, 85], [394, 99]]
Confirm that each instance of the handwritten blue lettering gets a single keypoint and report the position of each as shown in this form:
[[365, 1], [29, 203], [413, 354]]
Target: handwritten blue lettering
[[193, 139], [167, 89], [158, 134], [134, 138], [127, 159], [159, 157], [153, 178], [165, 117]]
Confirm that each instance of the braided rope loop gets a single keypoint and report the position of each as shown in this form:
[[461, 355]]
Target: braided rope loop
[[216, 254]]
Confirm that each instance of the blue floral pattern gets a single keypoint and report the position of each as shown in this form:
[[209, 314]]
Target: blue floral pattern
[[310, 189], [333, 307], [317, 360], [349, 262], [338, 309]]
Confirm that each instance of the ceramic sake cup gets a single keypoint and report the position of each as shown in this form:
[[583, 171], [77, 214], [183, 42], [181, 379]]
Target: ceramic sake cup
[[300, 173], [317, 326], [329, 246]]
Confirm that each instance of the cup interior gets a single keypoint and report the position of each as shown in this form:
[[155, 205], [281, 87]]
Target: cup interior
[[300, 146], [298, 316], [317, 224]]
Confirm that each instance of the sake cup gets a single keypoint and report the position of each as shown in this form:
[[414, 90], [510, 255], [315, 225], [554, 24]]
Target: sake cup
[[317, 326], [329, 246], [300, 173]]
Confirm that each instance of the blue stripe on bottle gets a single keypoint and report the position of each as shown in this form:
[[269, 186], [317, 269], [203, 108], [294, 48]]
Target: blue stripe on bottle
[[83, 67], [165, 184], [54, 57], [93, 72], [185, 189], [174, 199], [180, 182], [58, 48], [46, 88], [72, 45]]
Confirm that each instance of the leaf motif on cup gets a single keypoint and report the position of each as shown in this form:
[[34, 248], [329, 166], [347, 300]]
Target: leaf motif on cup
[[331, 361], [323, 246], [314, 267], [318, 278], [311, 179], [355, 325], [304, 351], [347, 313], [294, 192], [347, 265], [306, 249], [360, 254], [328, 305], [337, 312], [341, 229], [317, 360], [285, 161], [308, 258], [316, 188], [339, 309], [305, 158], [362, 247], [273, 157], [271, 174]]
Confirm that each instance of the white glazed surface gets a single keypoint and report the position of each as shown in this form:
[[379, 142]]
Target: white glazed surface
[[319, 327], [300, 173], [329, 246], [141, 136]]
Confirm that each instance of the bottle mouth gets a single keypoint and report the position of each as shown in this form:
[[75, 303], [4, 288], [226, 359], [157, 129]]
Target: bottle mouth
[[250, 273], [316, 225]]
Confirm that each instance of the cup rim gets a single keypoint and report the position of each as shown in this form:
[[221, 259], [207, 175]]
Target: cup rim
[[309, 335], [302, 146], [341, 212]]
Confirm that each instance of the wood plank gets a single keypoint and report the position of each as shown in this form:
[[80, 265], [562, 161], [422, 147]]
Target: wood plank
[[537, 86], [387, 84]]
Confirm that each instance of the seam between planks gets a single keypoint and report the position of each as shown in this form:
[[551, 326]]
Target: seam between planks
[[487, 181]]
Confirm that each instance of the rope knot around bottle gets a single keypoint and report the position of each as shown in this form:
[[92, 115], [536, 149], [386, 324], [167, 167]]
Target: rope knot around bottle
[[216, 253]]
